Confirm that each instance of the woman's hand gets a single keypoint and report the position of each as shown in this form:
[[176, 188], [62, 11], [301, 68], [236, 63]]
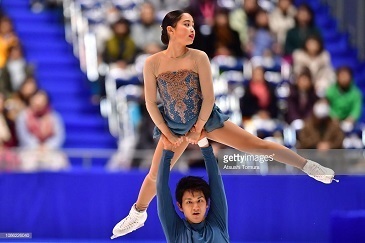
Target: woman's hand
[[175, 140], [193, 136]]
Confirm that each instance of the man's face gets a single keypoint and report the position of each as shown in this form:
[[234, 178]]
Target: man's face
[[194, 206], [344, 79]]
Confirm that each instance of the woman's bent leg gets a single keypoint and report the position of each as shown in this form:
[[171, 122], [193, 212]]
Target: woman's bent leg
[[138, 215], [148, 188]]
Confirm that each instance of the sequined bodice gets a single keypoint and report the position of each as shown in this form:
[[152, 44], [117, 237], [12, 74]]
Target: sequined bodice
[[181, 94]]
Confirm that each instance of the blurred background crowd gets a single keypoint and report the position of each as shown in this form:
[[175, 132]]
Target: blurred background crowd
[[282, 70]]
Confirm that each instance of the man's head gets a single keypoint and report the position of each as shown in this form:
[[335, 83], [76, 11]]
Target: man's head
[[344, 77], [192, 196]]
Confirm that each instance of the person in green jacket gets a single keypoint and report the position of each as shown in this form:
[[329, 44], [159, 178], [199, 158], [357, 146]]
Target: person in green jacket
[[344, 97]]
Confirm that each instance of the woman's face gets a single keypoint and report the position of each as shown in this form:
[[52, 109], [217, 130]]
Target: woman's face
[[6, 27], [38, 102], [258, 74], [221, 20], [184, 31], [312, 46], [28, 89], [304, 83], [303, 16], [250, 5], [120, 29], [147, 14], [262, 20], [284, 4]]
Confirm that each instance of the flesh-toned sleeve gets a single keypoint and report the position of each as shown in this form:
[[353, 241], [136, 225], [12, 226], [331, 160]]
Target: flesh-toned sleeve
[[150, 90], [206, 84]]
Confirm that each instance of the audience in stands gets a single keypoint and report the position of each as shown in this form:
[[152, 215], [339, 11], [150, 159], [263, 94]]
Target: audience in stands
[[262, 41], [9, 161], [16, 69], [146, 32], [203, 12], [320, 130], [259, 103], [223, 40], [318, 60], [282, 19], [8, 137], [20, 99], [304, 27], [41, 134], [8, 39], [302, 98], [243, 19], [120, 49], [345, 99]]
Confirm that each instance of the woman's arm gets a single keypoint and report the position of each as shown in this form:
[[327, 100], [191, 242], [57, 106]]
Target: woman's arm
[[206, 84], [150, 90]]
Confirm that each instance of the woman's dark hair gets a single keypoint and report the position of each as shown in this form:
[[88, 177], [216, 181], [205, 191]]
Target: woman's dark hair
[[310, 11], [316, 38], [170, 19], [191, 184]]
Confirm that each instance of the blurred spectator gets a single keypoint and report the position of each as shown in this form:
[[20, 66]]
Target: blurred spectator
[[7, 39], [41, 133], [320, 130], [262, 43], [8, 158], [7, 130], [243, 19], [318, 60], [16, 69], [5, 84], [304, 27], [146, 33], [20, 99], [345, 99], [259, 103], [282, 19], [103, 31], [203, 12], [120, 49], [301, 99], [225, 40]]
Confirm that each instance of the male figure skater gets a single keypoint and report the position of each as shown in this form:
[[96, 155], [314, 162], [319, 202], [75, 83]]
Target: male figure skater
[[193, 196]]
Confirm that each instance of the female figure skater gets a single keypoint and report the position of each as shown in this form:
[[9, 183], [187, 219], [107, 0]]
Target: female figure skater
[[183, 78]]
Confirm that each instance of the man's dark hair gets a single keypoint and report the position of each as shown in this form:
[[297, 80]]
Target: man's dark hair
[[191, 184]]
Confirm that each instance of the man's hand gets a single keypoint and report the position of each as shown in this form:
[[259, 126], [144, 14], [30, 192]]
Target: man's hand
[[167, 145]]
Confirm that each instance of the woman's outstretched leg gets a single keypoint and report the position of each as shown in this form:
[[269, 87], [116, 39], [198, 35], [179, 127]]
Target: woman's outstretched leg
[[138, 215], [236, 137]]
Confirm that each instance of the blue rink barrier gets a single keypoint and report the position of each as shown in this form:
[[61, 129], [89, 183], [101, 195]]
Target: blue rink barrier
[[85, 206]]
